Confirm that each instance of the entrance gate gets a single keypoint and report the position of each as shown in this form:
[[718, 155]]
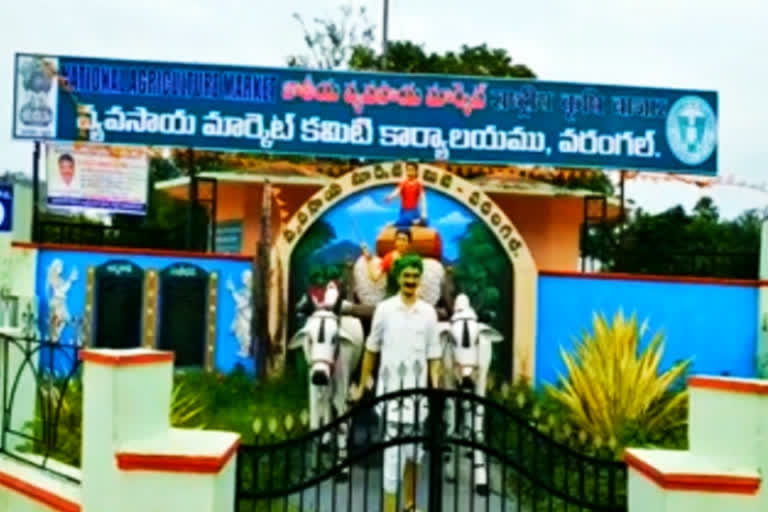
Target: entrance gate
[[526, 469]]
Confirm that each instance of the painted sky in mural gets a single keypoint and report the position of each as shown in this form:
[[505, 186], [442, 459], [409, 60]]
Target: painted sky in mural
[[360, 218]]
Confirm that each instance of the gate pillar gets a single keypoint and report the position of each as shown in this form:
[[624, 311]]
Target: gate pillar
[[728, 454], [132, 458]]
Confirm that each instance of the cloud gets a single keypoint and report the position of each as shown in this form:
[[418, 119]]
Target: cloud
[[454, 219], [367, 205]]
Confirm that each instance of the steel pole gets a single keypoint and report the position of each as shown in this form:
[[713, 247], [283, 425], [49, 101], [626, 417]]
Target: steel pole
[[385, 29]]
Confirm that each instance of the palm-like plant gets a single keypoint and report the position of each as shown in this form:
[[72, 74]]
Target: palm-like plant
[[57, 430], [614, 391], [186, 408]]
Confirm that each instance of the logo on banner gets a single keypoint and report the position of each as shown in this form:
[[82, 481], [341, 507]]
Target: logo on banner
[[6, 208], [36, 96], [692, 130]]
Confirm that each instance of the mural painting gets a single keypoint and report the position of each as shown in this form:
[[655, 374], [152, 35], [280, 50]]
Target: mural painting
[[80, 291], [368, 231], [347, 238], [57, 288], [241, 321]]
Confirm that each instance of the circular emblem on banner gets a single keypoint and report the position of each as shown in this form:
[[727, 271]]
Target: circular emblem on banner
[[692, 130]]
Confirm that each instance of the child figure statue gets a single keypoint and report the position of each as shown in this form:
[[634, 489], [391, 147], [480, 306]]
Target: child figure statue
[[413, 201]]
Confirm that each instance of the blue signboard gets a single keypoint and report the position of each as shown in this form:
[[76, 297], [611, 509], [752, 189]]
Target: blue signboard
[[365, 115], [229, 237], [6, 208]]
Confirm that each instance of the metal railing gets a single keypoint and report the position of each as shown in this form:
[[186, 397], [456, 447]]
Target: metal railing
[[102, 235], [730, 264], [42, 404]]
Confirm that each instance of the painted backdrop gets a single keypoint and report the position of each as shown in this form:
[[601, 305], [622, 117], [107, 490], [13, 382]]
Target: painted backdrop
[[61, 288], [480, 265]]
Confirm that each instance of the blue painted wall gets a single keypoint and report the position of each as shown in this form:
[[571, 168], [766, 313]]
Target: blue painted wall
[[714, 324], [227, 347]]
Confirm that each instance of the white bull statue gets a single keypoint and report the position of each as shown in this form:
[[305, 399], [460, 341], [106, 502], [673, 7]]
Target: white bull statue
[[333, 346], [467, 355]]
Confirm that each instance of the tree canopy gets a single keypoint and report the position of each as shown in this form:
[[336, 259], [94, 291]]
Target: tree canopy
[[674, 242], [408, 57], [347, 42]]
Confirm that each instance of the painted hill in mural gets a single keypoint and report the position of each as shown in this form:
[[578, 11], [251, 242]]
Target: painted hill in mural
[[337, 253]]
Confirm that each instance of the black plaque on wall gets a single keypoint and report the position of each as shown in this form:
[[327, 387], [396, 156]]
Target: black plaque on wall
[[118, 298], [183, 312]]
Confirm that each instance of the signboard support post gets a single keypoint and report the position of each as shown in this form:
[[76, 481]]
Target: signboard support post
[[261, 345], [192, 204], [385, 29], [35, 191]]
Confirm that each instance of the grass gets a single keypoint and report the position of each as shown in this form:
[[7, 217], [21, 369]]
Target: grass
[[233, 402]]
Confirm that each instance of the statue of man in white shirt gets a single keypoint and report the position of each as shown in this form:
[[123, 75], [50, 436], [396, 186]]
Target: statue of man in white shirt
[[404, 334]]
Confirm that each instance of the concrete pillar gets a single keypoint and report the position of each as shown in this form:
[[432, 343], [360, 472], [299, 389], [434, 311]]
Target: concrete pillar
[[761, 357], [132, 458], [727, 457]]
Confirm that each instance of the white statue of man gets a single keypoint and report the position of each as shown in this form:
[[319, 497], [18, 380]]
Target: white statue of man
[[241, 323], [404, 334], [58, 288]]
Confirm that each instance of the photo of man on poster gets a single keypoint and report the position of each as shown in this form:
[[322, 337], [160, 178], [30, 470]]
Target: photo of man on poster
[[66, 168]]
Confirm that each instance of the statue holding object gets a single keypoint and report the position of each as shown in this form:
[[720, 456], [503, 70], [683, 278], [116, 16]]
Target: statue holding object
[[413, 200]]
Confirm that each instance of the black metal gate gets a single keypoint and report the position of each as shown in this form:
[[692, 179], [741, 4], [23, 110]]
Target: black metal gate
[[338, 468]]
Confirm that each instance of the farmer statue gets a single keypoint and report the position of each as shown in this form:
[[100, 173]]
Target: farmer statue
[[383, 268], [404, 335]]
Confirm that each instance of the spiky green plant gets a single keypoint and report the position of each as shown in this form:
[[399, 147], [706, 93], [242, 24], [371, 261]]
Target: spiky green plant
[[63, 443], [186, 408], [615, 391]]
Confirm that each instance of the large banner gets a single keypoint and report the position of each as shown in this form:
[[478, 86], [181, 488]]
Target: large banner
[[98, 177], [365, 115]]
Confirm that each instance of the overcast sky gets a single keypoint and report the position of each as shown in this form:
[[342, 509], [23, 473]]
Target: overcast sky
[[699, 44]]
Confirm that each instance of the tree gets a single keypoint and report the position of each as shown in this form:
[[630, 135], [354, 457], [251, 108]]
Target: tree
[[676, 243], [348, 43], [408, 57], [331, 42]]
